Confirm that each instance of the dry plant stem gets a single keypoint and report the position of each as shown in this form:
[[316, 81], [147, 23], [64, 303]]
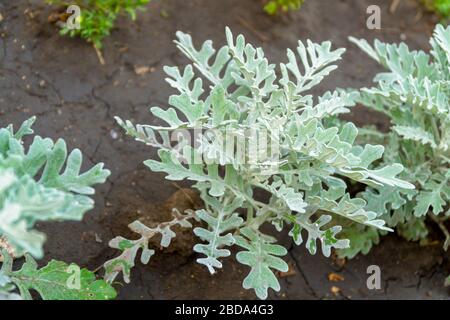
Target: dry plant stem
[[443, 229], [99, 55], [185, 194], [252, 29], [5, 245], [394, 6], [418, 16]]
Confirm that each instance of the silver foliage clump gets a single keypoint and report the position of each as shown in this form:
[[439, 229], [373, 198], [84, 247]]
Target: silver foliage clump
[[316, 158], [40, 183], [414, 93]]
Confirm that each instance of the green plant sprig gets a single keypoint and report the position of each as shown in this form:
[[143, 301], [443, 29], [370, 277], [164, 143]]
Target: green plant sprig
[[98, 17], [275, 6]]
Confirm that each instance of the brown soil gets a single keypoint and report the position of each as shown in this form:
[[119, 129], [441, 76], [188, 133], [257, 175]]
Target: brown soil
[[61, 81]]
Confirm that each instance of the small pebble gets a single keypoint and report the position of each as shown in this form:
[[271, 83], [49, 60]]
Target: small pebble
[[113, 133], [335, 290], [98, 239]]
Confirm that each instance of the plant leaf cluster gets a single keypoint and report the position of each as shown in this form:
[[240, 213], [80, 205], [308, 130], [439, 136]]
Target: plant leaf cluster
[[307, 193], [42, 182], [414, 93]]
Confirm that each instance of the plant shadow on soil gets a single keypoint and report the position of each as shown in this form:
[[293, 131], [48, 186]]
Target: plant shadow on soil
[[61, 81]]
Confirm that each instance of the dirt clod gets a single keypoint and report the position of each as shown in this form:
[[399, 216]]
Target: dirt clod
[[335, 277]]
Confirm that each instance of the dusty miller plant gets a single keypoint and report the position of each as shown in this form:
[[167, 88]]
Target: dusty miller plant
[[414, 93], [42, 183], [307, 190]]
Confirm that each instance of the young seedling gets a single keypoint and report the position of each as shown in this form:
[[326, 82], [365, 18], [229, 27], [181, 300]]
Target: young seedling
[[42, 183], [254, 132], [275, 6], [97, 18]]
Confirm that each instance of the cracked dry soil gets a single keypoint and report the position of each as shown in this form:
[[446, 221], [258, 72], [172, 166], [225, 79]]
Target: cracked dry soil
[[61, 81]]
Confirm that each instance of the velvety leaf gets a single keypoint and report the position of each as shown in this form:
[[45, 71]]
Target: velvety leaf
[[261, 256], [222, 219], [42, 183]]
